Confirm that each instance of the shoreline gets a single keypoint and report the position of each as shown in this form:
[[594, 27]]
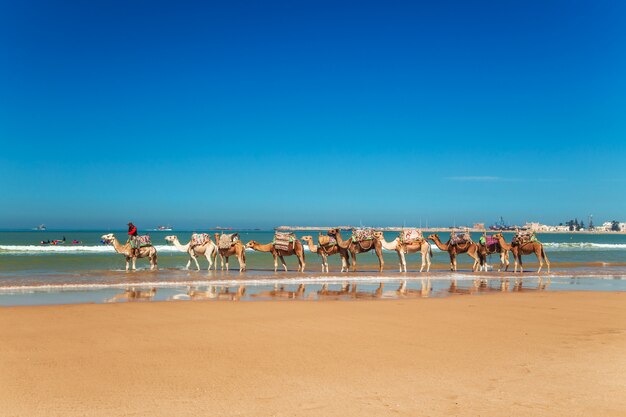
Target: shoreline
[[537, 353]]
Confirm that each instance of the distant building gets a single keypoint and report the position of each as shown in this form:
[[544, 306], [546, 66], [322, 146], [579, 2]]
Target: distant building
[[479, 226]]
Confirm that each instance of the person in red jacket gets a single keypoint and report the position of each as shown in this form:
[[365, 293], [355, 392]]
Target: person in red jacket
[[132, 236]]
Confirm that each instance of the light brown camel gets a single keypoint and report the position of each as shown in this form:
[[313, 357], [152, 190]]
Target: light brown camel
[[359, 247], [326, 250], [421, 246], [236, 249], [485, 250], [295, 248], [470, 248], [208, 249], [524, 249], [149, 252]]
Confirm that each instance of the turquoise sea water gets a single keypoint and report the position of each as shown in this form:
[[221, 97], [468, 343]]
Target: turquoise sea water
[[31, 273]]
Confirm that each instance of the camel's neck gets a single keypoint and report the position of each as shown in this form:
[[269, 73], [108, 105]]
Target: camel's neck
[[440, 245], [393, 245], [342, 244], [263, 248], [119, 248], [503, 243], [312, 246], [180, 246]]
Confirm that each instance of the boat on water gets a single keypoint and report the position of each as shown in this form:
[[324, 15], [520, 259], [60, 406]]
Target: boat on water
[[41, 227], [167, 228]]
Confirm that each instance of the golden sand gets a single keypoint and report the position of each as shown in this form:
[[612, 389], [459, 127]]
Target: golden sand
[[535, 354]]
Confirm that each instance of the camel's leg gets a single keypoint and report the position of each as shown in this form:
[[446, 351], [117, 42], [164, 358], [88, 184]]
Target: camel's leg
[[353, 261], [324, 262], [227, 267], [134, 263], [424, 257], [207, 255], [506, 260], [521, 266], [400, 254], [127, 259], [451, 262], [195, 259], [282, 261], [301, 260], [381, 261], [275, 262], [539, 259], [242, 262], [154, 262], [188, 263]]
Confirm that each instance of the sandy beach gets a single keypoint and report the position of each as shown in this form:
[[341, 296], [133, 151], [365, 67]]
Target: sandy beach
[[540, 354]]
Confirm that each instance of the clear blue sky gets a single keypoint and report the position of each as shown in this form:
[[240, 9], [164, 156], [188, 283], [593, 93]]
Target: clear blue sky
[[266, 113]]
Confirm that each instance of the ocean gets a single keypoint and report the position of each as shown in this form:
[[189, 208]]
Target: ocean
[[90, 271]]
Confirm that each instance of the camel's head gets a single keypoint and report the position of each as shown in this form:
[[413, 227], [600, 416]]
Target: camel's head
[[498, 235], [307, 239], [379, 235], [433, 236], [251, 244], [108, 238], [333, 232], [170, 239]]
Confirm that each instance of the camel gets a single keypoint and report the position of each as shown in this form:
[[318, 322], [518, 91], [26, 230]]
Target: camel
[[470, 248], [484, 250], [237, 249], [208, 249], [149, 252], [325, 250], [295, 248], [132, 294], [359, 247], [524, 249], [421, 246]]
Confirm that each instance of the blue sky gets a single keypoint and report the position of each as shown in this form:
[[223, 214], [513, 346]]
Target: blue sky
[[266, 113]]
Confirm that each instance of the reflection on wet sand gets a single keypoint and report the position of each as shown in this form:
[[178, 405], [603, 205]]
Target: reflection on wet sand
[[282, 293], [424, 291], [132, 294]]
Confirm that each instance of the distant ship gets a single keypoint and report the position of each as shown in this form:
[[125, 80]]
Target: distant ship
[[41, 227], [167, 228]]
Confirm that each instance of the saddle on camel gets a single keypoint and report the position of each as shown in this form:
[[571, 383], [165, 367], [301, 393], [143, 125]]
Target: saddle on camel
[[460, 239], [326, 242], [364, 236], [284, 241], [199, 239], [522, 237], [227, 240]]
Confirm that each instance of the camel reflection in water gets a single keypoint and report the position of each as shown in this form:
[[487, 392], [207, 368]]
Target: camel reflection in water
[[479, 285], [132, 294]]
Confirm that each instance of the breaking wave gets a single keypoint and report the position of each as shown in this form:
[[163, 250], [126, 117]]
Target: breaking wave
[[37, 249]]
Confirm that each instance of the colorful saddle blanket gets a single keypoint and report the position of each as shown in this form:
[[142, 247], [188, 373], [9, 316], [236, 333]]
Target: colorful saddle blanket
[[283, 239], [228, 240], [491, 241], [411, 235], [140, 241], [361, 234], [199, 239]]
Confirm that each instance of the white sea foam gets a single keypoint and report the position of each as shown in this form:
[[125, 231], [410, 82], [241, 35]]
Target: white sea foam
[[36, 249]]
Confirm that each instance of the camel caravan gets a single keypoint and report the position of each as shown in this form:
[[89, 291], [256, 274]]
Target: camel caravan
[[362, 240]]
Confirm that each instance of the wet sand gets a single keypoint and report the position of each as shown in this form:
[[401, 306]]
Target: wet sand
[[540, 354]]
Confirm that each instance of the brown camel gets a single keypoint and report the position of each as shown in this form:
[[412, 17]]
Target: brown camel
[[524, 249], [327, 249], [485, 250], [295, 248], [236, 249], [470, 248], [359, 247], [421, 246]]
